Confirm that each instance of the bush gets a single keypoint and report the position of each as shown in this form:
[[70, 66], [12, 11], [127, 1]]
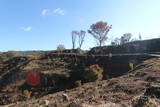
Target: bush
[[27, 94], [93, 73], [87, 74], [78, 83]]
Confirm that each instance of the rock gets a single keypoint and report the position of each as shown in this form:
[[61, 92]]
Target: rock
[[65, 97], [46, 102]]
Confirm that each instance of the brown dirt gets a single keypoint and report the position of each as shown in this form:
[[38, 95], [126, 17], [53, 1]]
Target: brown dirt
[[125, 91]]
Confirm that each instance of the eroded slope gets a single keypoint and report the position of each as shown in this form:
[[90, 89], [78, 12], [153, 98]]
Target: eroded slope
[[138, 88]]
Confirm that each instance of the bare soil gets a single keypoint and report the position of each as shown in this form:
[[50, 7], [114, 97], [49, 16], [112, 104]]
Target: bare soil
[[138, 88]]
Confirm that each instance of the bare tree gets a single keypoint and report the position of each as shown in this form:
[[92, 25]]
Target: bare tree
[[60, 48], [116, 41], [126, 38], [99, 31], [140, 36], [81, 36], [74, 36]]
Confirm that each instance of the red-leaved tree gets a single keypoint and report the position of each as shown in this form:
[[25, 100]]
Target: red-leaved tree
[[99, 31]]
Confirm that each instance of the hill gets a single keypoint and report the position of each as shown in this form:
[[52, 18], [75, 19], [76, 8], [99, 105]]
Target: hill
[[139, 88], [142, 46], [77, 78]]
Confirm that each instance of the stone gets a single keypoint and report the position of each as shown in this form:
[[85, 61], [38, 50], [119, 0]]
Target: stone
[[65, 97]]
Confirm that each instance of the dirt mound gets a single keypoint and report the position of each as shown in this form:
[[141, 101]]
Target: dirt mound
[[132, 89]]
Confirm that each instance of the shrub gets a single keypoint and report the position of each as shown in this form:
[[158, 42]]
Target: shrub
[[27, 94], [93, 73], [77, 83], [87, 74], [96, 68]]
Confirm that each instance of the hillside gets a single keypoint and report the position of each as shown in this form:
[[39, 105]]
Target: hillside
[[141, 46], [139, 88], [121, 76]]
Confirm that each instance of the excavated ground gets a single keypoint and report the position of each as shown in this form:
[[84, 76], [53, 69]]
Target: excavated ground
[[139, 88]]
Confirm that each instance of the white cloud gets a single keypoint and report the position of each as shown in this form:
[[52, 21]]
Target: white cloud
[[26, 29], [58, 11], [45, 12]]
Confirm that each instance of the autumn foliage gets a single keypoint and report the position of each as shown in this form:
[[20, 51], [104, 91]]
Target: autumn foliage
[[99, 31]]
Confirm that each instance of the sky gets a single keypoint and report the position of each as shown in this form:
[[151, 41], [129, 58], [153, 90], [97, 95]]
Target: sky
[[44, 24]]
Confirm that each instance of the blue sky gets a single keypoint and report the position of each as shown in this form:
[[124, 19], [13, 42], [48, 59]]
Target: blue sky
[[44, 24]]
